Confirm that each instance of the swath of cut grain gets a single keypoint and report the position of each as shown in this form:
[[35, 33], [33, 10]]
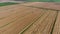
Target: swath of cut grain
[[43, 25], [56, 29]]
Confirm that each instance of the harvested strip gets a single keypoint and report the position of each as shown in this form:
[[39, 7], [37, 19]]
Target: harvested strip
[[42, 26]]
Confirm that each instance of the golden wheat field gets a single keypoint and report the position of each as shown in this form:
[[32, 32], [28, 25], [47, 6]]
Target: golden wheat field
[[30, 18]]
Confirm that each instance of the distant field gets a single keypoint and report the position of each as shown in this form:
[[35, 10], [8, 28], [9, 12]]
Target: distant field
[[7, 3]]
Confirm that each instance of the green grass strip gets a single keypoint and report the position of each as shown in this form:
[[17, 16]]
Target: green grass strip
[[7, 3]]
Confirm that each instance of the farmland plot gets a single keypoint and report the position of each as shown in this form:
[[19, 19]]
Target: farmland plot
[[24, 16], [29, 18]]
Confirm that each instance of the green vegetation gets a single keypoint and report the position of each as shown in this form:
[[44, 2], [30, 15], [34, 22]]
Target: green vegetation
[[7, 3], [56, 0], [43, 0], [38, 0]]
